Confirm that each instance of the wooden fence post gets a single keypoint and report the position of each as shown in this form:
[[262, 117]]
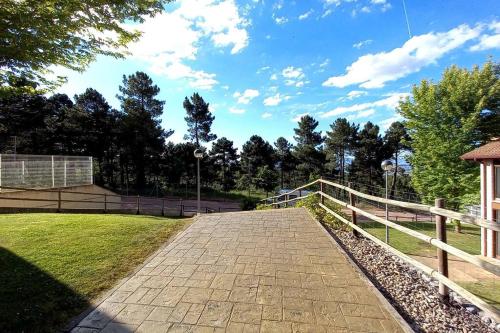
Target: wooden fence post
[[182, 210], [162, 207], [105, 202], [441, 254], [59, 201], [321, 190], [138, 204], [354, 218], [286, 201]]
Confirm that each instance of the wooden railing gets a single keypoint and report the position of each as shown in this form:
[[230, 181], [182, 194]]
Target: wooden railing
[[57, 200], [439, 241]]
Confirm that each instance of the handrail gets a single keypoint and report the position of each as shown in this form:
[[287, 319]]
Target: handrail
[[288, 193], [491, 311], [421, 207], [486, 265]]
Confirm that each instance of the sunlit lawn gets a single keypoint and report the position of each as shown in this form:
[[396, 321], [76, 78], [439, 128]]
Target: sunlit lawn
[[468, 240], [52, 265]]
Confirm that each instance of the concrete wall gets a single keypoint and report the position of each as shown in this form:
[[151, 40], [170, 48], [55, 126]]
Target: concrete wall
[[93, 198]]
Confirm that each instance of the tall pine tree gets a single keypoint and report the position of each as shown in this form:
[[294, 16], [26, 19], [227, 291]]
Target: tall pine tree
[[284, 158], [142, 133], [340, 142], [224, 161], [199, 120], [309, 153]]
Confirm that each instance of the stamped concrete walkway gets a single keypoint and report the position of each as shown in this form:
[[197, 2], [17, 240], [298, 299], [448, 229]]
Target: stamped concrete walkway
[[265, 271]]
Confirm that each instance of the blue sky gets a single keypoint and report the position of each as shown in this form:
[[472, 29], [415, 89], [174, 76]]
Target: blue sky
[[261, 64]]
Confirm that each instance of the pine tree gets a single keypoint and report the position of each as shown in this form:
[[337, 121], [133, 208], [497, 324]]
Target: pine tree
[[308, 151], [396, 140], [224, 161], [340, 142], [256, 153], [142, 134], [368, 156], [199, 120], [284, 157]]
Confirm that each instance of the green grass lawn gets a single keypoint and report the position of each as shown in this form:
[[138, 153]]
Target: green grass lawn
[[52, 265], [469, 240]]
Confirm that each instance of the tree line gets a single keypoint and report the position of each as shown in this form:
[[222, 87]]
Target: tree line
[[131, 150]]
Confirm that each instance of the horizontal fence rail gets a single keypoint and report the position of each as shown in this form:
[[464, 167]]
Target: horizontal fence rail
[[22, 199], [441, 274]]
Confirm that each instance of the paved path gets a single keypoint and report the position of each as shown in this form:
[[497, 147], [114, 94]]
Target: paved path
[[266, 271]]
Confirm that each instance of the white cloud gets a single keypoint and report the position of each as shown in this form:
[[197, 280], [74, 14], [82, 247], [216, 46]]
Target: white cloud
[[324, 63], [390, 102], [306, 14], [386, 123], [326, 13], [170, 38], [236, 110], [378, 2], [266, 115], [273, 77], [489, 41], [275, 100], [355, 94], [280, 20], [362, 43], [246, 96], [292, 73], [294, 76], [361, 114], [297, 117], [374, 70]]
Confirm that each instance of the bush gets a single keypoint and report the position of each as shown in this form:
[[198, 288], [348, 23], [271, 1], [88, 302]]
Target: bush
[[263, 207], [248, 204], [312, 204]]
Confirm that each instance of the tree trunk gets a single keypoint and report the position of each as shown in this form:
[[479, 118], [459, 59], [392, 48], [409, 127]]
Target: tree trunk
[[394, 176]]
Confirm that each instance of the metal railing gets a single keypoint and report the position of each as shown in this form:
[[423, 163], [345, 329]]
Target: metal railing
[[61, 200], [439, 241]]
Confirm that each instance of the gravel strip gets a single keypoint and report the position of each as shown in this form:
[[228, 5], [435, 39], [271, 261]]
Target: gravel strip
[[413, 294]]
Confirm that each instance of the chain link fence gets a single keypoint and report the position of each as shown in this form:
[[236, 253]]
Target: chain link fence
[[45, 171]]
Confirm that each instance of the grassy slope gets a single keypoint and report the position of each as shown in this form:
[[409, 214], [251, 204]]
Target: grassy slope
[[51, 265]]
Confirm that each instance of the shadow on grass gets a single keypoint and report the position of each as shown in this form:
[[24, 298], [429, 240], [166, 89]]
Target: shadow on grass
[[31, 300]]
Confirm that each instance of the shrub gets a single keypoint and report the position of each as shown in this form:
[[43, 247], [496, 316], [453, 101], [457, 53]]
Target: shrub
[[312, 204], [248, 203], [263, 207]]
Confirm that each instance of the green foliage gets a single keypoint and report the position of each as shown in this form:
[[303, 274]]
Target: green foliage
[[224, 162], [368, 155], [263, 207], [266, 179], [248, 203], [396, 141], [445, 120], [38, 34], [285, 159], [199, 120], [308, 152], [142, 132], [320, 214], [340, 141]]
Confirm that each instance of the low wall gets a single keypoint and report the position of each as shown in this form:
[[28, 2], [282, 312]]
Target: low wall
[[93, 198]]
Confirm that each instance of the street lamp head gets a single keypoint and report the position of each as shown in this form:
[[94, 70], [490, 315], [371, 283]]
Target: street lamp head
[[198, 153], [387, 165]]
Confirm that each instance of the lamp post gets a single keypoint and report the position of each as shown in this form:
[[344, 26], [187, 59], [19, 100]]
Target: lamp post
[[387, 166], [198, 153]]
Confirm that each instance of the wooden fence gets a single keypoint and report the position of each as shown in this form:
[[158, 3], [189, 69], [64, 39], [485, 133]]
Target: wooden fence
[[439, 241]]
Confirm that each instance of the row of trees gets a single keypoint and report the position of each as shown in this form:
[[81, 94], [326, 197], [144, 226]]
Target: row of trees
[[441, 121], [131, 149]]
